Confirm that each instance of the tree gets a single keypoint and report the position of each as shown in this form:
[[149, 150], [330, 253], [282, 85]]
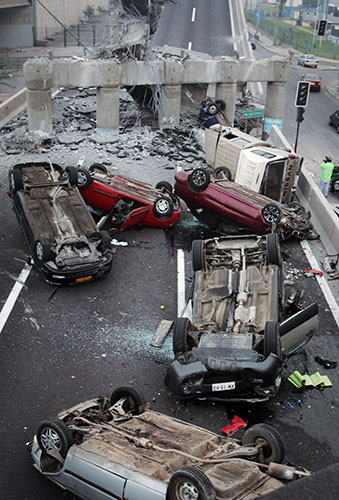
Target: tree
[[89, 11]]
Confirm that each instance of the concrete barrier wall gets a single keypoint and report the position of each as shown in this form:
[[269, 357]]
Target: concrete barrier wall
[[13, 106]]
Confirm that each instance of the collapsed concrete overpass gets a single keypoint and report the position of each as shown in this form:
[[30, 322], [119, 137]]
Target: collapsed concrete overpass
[[175, 69]]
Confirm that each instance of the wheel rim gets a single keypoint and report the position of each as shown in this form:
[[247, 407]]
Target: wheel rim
[[213, 109], [163, 206], [199, 178], [82, 178], [187, 491], [39, 250], [271, 214], [50, 439]]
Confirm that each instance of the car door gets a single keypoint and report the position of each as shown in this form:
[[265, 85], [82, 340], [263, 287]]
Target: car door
[[92, 480], [142, 487], [297, 330]]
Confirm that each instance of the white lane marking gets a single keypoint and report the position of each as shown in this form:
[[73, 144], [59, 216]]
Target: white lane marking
[[12, 297], [193, 14], [181, 281], [235, 45], [321, 280], [189, 46]]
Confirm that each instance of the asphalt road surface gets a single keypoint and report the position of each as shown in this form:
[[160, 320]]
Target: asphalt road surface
[[64, 345]]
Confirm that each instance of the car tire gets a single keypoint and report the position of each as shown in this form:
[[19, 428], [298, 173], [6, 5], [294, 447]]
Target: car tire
[[198, 255], [163, 208], [198, 180], [98, 167], [42, 251], [222, 173], [84, 178], [181, 343], [54, 435], [296, 207], [221, 104], [105, 239], [273, 249], [271, 213], [272, 342], [189, 482], [72, 175], [212, 109], [164, 186], [134, 399], [273, 446], [15, 180]]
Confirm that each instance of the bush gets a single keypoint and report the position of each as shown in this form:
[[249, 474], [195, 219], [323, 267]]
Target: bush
[[89, 11]]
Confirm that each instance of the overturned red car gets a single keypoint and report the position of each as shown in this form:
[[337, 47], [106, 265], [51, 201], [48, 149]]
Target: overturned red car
[[233, 209], [127, 202]]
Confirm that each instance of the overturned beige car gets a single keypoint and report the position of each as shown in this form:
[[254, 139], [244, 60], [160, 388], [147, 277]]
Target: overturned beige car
[[119, 448]]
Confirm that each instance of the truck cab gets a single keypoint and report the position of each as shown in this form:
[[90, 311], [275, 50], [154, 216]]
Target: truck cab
[[252, 162]]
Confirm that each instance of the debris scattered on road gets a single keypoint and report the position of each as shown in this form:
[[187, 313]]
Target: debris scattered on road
[[160, 335], [326, 363], [313, 272], [119, 243], [237, 424], [315, 380]]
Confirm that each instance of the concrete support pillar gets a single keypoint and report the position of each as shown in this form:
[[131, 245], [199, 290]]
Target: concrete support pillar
[[169, 108], [39, 110], [108, 109], [275, 104], [228, 93]]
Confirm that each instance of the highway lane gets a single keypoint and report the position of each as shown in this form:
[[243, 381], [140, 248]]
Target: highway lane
[[196, 25]]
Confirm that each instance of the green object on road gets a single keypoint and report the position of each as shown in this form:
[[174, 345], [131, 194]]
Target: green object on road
[[315, 380], [254, 113]]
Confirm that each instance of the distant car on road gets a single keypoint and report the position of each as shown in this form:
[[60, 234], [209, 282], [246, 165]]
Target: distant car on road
[[234, 345], [233, 209], [117, 448], [308, 60], [128, 202], [334, 120], [315, 81], [65, 243]]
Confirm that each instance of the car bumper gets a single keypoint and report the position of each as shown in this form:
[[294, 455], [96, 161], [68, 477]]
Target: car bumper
[[77, 274], [253, 382]]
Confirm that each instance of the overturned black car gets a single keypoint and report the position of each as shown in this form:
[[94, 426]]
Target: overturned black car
[[65, 244], [233, 346]]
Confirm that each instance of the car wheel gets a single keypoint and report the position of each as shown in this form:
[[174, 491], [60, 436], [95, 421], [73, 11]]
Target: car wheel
[[72, 175], [212, 109], [15, 180], [84, 178], [189, 483], [296, 207], [271, 213], [181, 342], [222, 173], [98, 167], [198, 255], [133, 399], [198, 180], [273, 249], [163, 208], [105, 239], [54, 435], [272, 445], [43, 251], [272, 343], [221, 104], [164, 186]]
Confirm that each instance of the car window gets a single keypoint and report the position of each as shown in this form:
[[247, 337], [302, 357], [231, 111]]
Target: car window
[[271, 184], [265, 154]]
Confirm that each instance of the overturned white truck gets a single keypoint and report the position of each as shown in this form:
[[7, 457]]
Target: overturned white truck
[[252, 162]]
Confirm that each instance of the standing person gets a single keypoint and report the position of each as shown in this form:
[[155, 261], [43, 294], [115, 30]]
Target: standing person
[[326, 174]]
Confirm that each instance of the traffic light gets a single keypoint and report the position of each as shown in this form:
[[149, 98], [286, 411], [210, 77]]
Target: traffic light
[[301, 97], [300, 113], [322, 27]]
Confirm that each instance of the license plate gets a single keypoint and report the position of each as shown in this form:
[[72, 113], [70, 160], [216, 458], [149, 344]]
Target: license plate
[[85, 278], [223, 386]]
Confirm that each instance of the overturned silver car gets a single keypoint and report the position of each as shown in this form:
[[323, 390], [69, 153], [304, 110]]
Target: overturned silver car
[[233, 345], [119, 448]]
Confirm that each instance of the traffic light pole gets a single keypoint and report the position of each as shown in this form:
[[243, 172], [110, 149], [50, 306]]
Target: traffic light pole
[[296, 138]]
